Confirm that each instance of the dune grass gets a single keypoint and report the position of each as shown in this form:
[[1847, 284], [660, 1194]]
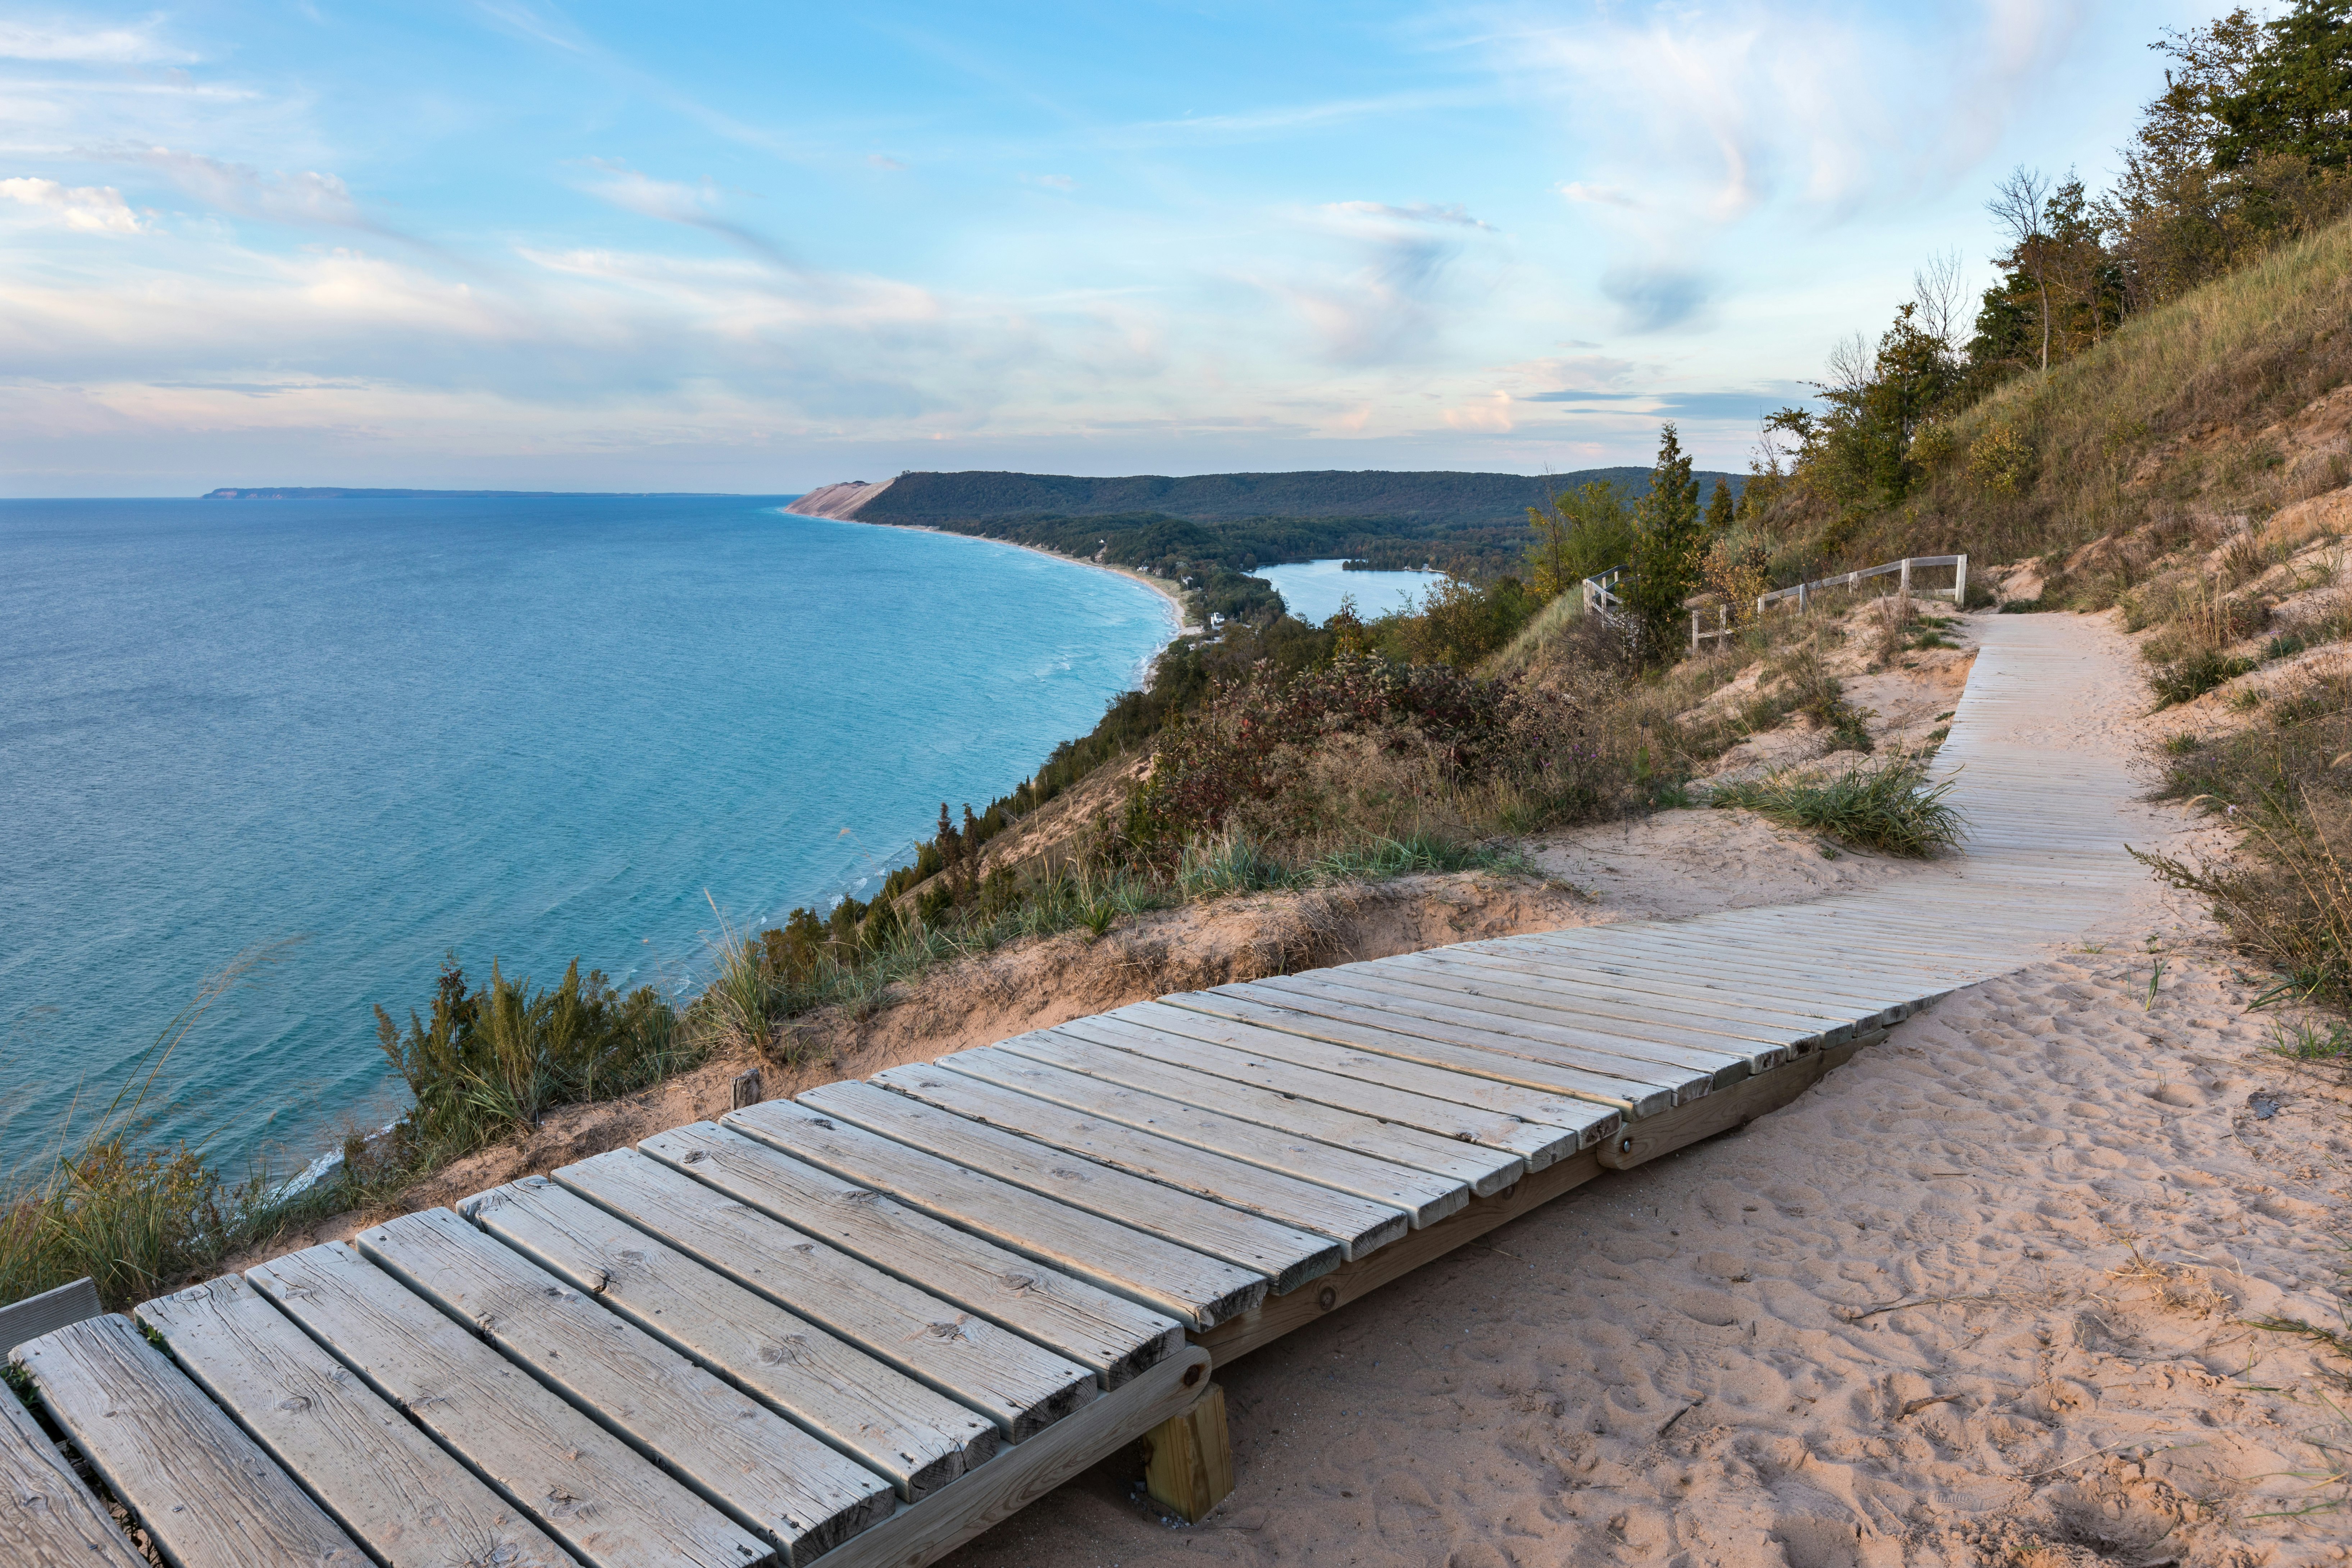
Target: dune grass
[[1887, 805]]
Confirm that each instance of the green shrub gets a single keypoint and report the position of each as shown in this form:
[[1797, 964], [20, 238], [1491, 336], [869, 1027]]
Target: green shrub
[[1889, 806], [2193, 674]]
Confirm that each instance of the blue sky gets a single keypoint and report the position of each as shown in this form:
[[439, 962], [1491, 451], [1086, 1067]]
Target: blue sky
[[762, 248]]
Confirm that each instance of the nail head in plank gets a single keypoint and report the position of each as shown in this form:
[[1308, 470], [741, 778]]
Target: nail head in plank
[[205, 1492], [48, 1518], [1302, 1108], [1287, 1256], [1422, 1194], [392, 1488], [1356, 1225], [1020, 1386], [1198, 1290], [1069, 1317], [586, 1488]]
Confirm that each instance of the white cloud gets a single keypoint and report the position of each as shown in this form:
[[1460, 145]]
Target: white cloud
[[695, 206], [304, 197], [68, 43], [1062, 183], [91, 209], [1418, 211]]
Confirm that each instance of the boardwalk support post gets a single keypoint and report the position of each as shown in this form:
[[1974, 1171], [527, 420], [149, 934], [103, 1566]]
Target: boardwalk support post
[[1960, 583], [1191, 1469]]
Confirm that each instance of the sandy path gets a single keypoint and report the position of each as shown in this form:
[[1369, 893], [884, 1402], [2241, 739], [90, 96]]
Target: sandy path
[[2079, 1193]]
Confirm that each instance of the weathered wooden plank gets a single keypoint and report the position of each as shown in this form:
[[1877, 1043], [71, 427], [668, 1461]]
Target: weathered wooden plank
[[1069, 1317], [1716, 971], [1422, 1196], [206, 1494], [604, 1501], [1362, 1030], [1639, 1046], [1481, 1170], [48, 1518], [763, 1471], [1589, 1121], [1198, 1290], [1694, 1029], [1358, 1224], [1532, 1145], [397, 1492], [1482, 1051], [1020, 1386], [873, 1413], [1286, 1254], [1598, 1047], [1019, 1477], [1686, 999], [1793, 966]]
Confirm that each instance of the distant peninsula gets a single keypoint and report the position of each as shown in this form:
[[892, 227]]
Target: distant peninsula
[[339, 492], [1471, 523]]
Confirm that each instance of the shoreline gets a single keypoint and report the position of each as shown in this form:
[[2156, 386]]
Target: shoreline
[[1175, 600]]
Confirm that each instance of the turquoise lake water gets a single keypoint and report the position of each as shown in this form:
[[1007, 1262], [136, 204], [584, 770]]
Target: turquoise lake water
[[532, 728], [1312, 590]]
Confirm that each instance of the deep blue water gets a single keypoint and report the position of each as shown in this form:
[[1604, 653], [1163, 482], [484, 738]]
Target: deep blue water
[[533, 728]]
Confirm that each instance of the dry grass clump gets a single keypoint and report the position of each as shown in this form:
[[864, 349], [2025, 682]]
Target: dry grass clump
[[1887, 805], [2282, 782]]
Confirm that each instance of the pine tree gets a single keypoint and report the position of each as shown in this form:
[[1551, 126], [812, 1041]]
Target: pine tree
[[1720, 511], [1667, 542]]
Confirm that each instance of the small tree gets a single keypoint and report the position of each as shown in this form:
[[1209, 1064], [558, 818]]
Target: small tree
[[1719, 509], [1584, 531], [2018, 206], [1668, 540]]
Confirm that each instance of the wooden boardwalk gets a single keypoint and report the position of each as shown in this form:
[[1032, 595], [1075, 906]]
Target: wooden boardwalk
[[860, 1327]]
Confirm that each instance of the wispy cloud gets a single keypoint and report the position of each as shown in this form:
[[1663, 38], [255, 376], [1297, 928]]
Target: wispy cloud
[[1597, 195], [695, 206], [1418, 211], [77, 42], [1277, 119], [305, 196], [91, 209]]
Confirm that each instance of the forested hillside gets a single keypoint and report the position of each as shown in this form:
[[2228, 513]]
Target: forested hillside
[[1474, 524]]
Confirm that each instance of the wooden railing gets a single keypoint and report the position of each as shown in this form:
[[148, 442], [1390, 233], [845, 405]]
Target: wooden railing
[[1600, 596], [1804, 592]]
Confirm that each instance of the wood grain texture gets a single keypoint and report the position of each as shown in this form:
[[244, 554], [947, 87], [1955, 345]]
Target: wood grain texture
[[48, 1518], [205, 1492], [1304, 1111], [393, 1489], [1423, 1194], [1019, 1477], [1197, 1289], [1465, 1051], [1188, 1468], [862, 1407], [1750, 1029], [1020, 1386], [1696, 989], [1069, 1317], [1284, 1254], [1589, 1121], [604, 1501], [1621, 1046], [1358, 1224], [763, 1472]]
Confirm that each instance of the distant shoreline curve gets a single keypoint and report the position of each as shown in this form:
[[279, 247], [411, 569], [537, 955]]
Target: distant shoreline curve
[[1174, 601]]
